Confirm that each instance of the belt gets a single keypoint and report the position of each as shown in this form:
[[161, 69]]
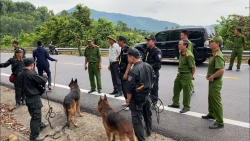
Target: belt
[[184, 72], [114, 62], [92, 63]]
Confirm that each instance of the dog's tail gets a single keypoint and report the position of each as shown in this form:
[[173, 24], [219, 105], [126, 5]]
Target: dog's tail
[[67, 110]]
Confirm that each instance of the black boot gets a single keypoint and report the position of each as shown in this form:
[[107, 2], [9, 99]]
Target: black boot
[[229, 68], [114, 92], [23, 102], [17, 105]]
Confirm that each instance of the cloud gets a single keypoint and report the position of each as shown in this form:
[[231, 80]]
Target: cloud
[[183, 12]]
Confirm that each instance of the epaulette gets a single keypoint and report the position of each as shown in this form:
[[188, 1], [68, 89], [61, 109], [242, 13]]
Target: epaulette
[[97, 46], [86, 46], [215, 53], [185, 53], [242, 35]]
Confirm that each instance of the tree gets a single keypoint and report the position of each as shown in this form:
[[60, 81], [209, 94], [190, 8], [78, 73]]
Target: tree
[[228, 26]]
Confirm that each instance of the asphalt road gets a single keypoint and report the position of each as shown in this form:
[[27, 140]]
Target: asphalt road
[[235, 99]]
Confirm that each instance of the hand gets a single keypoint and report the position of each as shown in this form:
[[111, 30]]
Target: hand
[[100, 66], [108, 67], [211, 78], [56, 60], [207, 77], [85, 67], [125, 76], [127, 104], [116, 58], [192, 77]]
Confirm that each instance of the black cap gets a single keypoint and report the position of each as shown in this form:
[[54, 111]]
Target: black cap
[[39, 43], [134, 52], [150, 37], [28, 61], [18, 50], [122, 38]]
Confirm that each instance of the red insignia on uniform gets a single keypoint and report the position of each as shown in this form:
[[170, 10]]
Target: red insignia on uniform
[[215, 54]]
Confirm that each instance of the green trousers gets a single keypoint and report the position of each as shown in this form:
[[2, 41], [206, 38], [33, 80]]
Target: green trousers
[[214, 101], [80, 51], [140, 112], [191, 85], [236, 53], [94, 71], [34, 105], [182, 82]]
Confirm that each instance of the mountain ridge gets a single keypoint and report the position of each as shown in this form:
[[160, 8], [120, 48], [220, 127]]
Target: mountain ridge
[[138, 22]]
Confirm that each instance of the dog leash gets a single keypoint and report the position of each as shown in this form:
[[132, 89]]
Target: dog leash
[[50, 113], [122, 109], [157, 110], [55, 76]]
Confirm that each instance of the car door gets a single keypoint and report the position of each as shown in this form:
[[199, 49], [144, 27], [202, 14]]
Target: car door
[[161, 42], [172, 44]]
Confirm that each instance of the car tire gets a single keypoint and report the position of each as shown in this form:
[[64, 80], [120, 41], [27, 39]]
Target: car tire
[[142, 55], [200, 61]]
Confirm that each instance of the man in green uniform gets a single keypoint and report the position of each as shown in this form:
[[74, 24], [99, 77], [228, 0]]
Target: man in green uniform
[[186, 70], [239, 41], [184, 36], [93, 58], [79, 46], [214, 75]]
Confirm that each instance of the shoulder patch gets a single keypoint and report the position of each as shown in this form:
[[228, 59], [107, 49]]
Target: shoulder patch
[[130, 77], [159, 55], [96, 46]]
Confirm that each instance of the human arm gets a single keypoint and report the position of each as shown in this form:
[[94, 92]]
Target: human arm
[[244, 41], [100, 57], [34, 55], [219, 65], [48, 57], [191, 64], [118, 50], [157, 57], [39, 79], [7, 63], [85, 63], [125, 76]]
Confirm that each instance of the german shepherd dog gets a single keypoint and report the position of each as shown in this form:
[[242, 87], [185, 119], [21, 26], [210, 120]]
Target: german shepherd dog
[[71, 103], [115, 123]]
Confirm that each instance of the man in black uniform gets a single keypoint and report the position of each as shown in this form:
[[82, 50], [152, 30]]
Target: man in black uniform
[[15, 45], [17, 66], [30, 81], [123, 66], [140, 80], [153, 57]]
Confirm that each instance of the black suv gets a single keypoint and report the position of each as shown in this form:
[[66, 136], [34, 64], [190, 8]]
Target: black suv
[[168, 41]]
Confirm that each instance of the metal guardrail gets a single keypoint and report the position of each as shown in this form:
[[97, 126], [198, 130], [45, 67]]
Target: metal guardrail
[[71, 50]]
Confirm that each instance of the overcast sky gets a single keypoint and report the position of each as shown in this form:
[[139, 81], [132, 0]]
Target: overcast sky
[[183, 12]]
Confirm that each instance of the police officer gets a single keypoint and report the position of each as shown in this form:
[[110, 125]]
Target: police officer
[[139, 84], [17, 66], [153, 57], [124, 66], [239, 41], [214, 76], [93, 58], [184, 36], [15, 45], [186, 70], [79, 45], [29, 81]]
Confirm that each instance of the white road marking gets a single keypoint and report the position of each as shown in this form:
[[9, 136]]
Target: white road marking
[[190, 113]]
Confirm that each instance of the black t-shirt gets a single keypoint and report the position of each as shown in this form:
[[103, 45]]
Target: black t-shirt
[[153, 57], [123, 59]]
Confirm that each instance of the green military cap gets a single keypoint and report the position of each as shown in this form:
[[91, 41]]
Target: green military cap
[[112, 37], [28, 61], [18, 50], [217, 39], [90, 39]]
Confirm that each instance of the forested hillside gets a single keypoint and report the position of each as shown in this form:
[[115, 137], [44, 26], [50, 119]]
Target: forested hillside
[[27, 23]]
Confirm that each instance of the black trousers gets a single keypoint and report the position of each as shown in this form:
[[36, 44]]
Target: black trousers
[[34, 105], [18, 94], [47, 70], [155, 89], [138, 113], [124, 85], [115, 77]]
